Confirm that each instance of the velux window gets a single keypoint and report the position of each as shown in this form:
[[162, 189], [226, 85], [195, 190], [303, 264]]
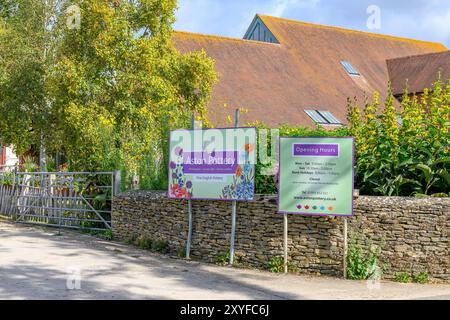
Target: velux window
[[323, 117], [349, 68]]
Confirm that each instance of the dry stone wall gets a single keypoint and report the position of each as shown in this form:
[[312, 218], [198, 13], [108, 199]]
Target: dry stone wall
[[413, 232]]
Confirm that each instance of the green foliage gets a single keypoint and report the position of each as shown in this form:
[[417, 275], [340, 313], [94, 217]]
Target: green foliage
[[362, 259], [108, 235], [182, 252], [407, 159], [104, 95], [29, 164], [144, 243], [406, 277], [403, 277], [223, 259], [128, 242], [161, 246], [420, 277], [267, 184], [276, 265]]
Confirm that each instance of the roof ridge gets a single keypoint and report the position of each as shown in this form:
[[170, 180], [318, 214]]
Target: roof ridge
[[373, 34], [223, 38], [420, 55]]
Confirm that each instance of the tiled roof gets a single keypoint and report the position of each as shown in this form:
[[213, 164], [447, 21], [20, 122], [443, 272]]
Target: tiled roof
[[277, 82], [420, 71]]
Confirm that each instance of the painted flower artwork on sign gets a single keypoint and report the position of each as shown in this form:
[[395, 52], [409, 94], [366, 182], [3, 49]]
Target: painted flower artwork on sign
[[211, 168], [243, 187], [179, 187]]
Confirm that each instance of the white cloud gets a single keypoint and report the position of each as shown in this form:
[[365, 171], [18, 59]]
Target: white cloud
[[420, 19], [437, 24], [281, 6]]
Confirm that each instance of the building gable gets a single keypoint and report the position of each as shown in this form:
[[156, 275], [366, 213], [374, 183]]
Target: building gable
[[258, 31]]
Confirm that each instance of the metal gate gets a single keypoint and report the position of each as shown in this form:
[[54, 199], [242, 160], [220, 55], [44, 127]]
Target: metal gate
[[79, 200]]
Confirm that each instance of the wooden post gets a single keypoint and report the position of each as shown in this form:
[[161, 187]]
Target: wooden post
[[233, 209]]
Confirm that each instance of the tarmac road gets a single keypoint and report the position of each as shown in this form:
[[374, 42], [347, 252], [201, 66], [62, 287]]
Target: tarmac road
[[37, 263]]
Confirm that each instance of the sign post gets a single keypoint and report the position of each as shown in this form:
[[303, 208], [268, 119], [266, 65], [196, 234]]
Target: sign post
[[233, 208], [285, 218], [344, 263], [213, 164], [316, 178], [189, 240]]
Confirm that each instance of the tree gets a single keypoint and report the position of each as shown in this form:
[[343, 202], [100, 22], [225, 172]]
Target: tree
[[111, 88], [26, 56]]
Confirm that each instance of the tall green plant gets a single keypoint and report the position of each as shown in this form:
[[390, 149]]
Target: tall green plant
[[403, 150]]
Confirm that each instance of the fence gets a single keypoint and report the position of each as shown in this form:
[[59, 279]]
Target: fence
[[80, 200]]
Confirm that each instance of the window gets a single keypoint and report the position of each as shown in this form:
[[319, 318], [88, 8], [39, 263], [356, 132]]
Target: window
[[349, 68], [327, 115], [323, 117]]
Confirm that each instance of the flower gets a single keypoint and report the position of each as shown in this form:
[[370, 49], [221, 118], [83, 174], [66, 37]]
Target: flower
[[178, 151], [178, 192], [238, 171], [189, 184], [245, 190], [249, 147], [172, 165]]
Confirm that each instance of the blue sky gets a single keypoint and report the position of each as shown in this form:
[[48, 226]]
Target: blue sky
[[417, 19]]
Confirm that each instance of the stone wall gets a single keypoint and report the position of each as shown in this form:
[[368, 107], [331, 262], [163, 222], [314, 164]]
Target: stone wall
[[414, 232]]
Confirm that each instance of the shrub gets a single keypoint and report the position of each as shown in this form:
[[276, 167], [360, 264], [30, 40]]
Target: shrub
[[107, 235], [276, 265], [408, 157], [144, 243], [402, 277], [420, 278], [406, 277], [223, 259], [182, 252], [161, 246], [362, 259]]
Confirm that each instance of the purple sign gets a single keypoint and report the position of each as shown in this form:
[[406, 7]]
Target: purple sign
[[315, 150], [217, 162]]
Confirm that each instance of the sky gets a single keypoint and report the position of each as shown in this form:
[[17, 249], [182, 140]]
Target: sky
[[416, 19]]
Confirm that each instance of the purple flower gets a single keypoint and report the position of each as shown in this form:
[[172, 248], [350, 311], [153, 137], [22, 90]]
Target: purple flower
[[172, 165], [189, 184], [174, 176], [178, 151]]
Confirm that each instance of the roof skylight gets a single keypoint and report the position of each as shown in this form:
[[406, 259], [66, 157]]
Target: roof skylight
[[349, 68], [323, 117]]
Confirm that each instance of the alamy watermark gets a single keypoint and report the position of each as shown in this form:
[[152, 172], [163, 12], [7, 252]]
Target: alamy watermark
[[374, 20], [73, 17], [75, 275], [214, 141]]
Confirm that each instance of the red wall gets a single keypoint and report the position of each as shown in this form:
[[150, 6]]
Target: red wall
[[2, 155]]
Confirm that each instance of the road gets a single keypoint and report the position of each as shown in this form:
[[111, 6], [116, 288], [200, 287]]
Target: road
[[38, 263]]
